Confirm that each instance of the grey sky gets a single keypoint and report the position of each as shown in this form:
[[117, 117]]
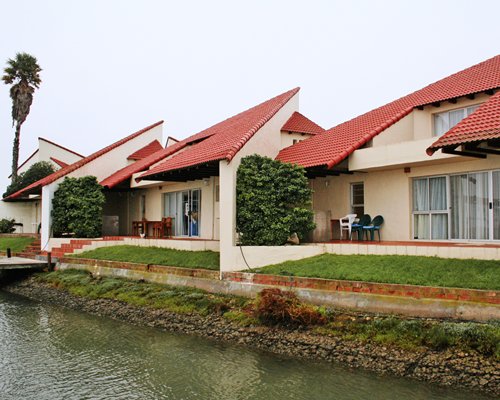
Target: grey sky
[[113, 67]]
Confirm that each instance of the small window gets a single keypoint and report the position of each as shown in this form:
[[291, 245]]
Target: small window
[[358, 199], [444, 121]]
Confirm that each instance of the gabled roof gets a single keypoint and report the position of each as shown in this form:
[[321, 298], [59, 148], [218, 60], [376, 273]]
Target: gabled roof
[[62, 164], [146, 151], [142, 165], [334, 145], [226, 138], [61, 147], [483, 124], [52, 143], [300, 124], [80, 163]]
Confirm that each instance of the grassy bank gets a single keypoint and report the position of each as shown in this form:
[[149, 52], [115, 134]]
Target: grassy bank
[[155, 255], [414, 270], [391, 331], [16, 244]]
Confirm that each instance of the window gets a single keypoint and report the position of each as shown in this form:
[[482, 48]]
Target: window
[[430, 213], [358, 199], [444, 121]]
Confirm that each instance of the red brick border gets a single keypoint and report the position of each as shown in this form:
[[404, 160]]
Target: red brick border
[[161, 269], [387, 289]]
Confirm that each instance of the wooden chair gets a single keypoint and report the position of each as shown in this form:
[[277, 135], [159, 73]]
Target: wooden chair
[[166, 224]]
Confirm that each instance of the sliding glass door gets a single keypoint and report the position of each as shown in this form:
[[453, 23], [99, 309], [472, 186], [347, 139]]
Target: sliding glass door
[[184, 208], [495, 204], [469, 206], [463, 207]]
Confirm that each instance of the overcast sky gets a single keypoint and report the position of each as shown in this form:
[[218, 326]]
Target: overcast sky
[[113, 67]]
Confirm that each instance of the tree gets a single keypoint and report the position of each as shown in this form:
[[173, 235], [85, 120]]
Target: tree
[[23, 73], [77, 207], [34, 173], [273, 201]]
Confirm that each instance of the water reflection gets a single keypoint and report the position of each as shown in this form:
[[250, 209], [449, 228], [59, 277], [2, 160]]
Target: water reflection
[[48, 352]]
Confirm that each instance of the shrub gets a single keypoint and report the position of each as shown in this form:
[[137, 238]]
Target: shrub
[[277, 307], [34, 173], [77, 207], [7, 225], [273, 201]]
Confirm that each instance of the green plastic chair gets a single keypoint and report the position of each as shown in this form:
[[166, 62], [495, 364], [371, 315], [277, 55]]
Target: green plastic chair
[[358, 227], [374, 227]]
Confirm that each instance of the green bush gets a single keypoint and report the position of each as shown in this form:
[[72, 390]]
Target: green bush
[[34, 173], [7, 225], [77, 207], [273, 201]]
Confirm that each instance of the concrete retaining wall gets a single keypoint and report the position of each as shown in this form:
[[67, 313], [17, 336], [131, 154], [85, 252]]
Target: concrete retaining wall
[[249, 285]]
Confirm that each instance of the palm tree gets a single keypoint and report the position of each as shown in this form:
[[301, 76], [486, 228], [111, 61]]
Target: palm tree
[[23, 74]]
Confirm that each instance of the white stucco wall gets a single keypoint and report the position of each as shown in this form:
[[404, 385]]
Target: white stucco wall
[[287, 138], [101, 167], [45, 151], [266, 142], [26, 212], [388, 192]]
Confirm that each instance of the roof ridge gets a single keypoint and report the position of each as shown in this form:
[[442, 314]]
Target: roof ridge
[[224, 139], [80, 163], [61, 147]]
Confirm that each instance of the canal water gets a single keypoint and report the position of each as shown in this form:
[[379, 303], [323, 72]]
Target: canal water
[[49, 352]]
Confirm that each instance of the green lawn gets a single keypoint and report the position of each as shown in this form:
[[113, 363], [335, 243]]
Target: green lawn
[[16, 244], [155, 255], [428, 271]]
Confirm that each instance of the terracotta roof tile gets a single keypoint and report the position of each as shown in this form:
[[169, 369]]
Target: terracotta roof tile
[[334, 145], [62, 164], [300, 124], [226, 138], [80, 163], [483, 124], [141, 165], [146, 151]]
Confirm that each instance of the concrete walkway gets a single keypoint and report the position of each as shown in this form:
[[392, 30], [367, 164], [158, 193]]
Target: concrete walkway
[[20, 263]]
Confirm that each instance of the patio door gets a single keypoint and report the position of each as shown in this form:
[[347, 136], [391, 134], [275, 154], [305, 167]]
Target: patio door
[[475, 206], [184, 208], [470, 206]]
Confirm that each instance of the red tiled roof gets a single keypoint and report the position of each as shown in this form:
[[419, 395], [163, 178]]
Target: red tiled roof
[[483, 124], [226, 137], [146, 151], [141, 165], [62, 164], [80, 163], [334, 145], [300, 124]]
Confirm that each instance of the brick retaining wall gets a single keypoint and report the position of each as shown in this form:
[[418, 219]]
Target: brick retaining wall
[[386, 289]]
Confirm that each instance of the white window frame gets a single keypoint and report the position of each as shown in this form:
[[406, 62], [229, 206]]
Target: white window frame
[[465, 110], [430, 212], [491, 217], [352, 205]]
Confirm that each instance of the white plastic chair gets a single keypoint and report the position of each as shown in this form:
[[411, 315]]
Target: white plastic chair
[[346, 225]]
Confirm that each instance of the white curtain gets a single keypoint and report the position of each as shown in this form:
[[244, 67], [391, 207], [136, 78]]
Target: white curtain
[[458, 201], [420, 195], [441, 124], [478, 205], [455, 117], [421, 226]]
